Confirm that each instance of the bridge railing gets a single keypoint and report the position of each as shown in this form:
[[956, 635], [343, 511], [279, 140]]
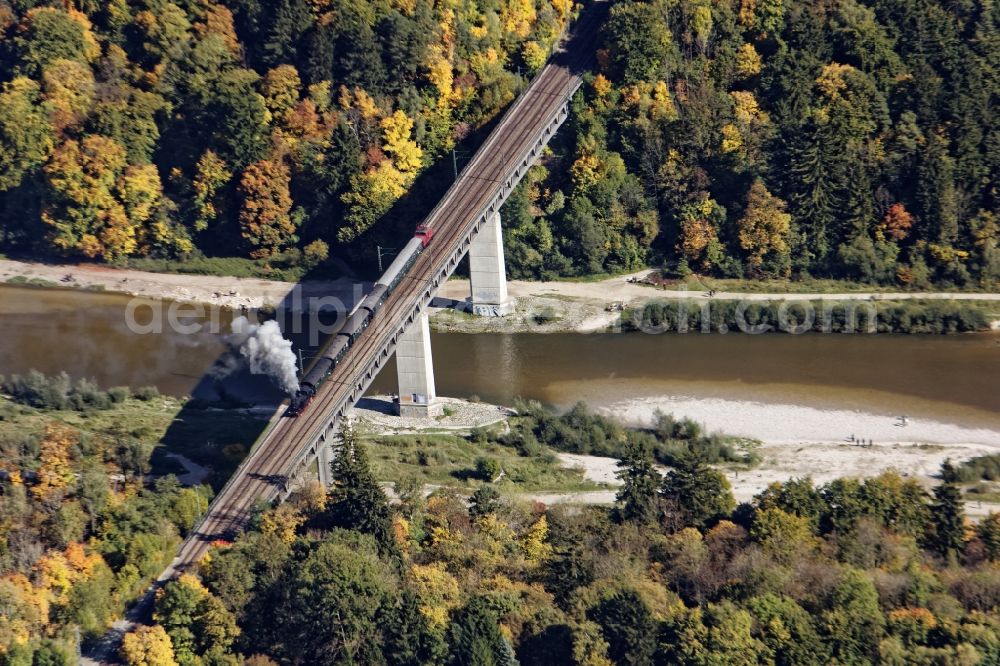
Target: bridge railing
[[509, 171]]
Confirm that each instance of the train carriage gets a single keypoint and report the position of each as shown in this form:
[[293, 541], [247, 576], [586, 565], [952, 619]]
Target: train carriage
[[358, 321]]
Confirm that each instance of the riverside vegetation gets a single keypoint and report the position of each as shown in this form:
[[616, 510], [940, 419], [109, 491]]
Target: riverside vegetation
[[520, 454], [878, 316], [743, 138], [83, 529]]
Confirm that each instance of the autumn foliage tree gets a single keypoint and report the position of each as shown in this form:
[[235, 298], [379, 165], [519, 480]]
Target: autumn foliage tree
[[55, 472], [897, 222], [265, 217], [211, 176], [47, 33], [147, 646], [26, 135], [764, 231], [373, 192], [100, 202]]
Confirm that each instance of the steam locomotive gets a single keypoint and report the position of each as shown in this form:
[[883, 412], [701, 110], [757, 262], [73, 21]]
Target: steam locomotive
[[337, 347]]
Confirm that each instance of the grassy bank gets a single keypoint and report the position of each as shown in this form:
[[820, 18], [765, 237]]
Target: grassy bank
[[143, 427], [452, 460], [222, 267], [289, 266], [904, 316], [524, 450]]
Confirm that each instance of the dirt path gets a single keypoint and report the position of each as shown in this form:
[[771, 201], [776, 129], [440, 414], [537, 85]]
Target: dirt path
[[548, 307], [542, 307], [228, 292], [622, 288]]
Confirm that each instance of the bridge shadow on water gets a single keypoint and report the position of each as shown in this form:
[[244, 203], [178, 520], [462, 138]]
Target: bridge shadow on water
[[208, 429], [224, 417]]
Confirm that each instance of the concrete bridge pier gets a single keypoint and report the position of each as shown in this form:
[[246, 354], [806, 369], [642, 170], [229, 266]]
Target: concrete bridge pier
[[415, 371], [324, 456], [488, 273]]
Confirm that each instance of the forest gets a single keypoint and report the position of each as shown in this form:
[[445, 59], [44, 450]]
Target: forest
[[83, 529], [738, 138], [850, 572]]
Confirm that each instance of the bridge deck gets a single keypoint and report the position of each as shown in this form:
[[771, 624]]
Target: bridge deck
[[289, 443]]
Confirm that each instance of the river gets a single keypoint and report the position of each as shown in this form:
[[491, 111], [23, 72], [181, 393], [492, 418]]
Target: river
[[955, 379]]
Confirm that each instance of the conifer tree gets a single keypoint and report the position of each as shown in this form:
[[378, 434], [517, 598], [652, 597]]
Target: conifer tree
[[356, 500], [475, 638], [948, 538], [640, 482], [701, 493], [288, 21], [409, 639]]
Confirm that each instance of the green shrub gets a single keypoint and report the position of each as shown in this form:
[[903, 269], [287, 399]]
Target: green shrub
[[315, 253], [147, 393], [87, 395], [980, 468], [488, 469], [582, 431], [58, 392], [37, 390], [119, 394]]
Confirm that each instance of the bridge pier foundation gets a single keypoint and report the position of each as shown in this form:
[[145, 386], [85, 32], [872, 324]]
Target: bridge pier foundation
[[415, 371], [488, 273]]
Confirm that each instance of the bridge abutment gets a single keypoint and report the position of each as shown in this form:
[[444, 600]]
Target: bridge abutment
[[488, 272], [415, 370]]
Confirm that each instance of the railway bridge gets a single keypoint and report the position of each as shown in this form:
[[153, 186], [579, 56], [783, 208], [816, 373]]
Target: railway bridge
[[465, 221]]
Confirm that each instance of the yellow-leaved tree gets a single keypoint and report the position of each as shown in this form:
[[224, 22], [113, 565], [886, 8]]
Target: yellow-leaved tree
[[55, 471], [68, 88], [281, 88], [211, 174], [99, 203], [282, 521], [371, 195], [406, 154], [764, 230], [374, 191], [148, 646], [699, 240], [517, 17], [437, 590], [265, 217], [534, 542]]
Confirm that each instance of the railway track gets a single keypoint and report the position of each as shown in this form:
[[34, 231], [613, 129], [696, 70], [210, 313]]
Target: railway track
[[494, 169]]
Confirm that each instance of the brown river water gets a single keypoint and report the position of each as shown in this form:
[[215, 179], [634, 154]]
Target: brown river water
[[952, 378]]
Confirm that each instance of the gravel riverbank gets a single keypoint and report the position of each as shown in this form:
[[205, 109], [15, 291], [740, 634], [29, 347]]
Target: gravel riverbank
[[541, 307]]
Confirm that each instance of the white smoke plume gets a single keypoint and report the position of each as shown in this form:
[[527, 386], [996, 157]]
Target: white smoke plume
[[265, 351]]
